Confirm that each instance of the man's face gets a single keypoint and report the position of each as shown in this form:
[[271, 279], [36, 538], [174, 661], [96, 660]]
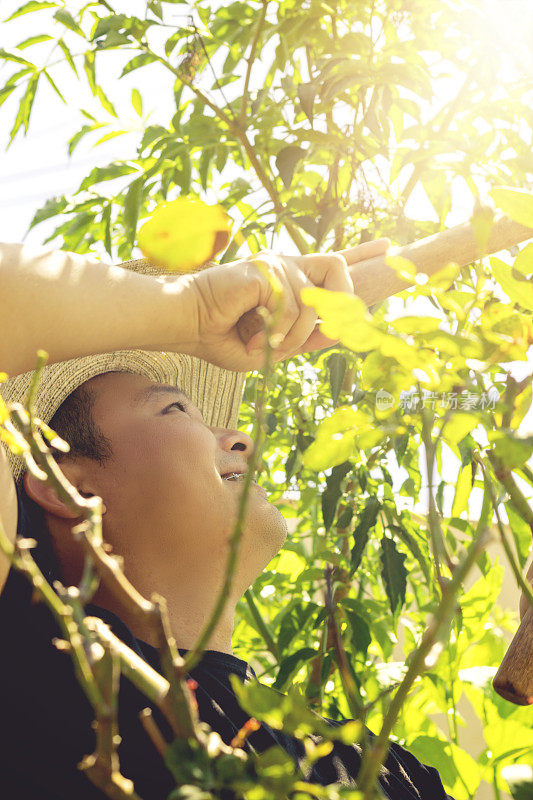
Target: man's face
[[168, 508]]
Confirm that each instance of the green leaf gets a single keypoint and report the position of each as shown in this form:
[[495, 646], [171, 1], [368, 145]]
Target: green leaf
[[14, 57], [394, 573], [306, 96], [43, 37], [65, 18], [524, 261], [359, 632], [289, 666], [136, 101], [336, 364], [105, 101], [412, 544], [53, 84], [335, 438], [462, 491], [510, 448], [344, 317], [519, 291], [132, 207], [332, 493], [25, 107], [457, 768], [367, 520], [515, 203], [106, 219], [294, 620], [459, 426], [29, 7], [89, 67], [52, 207], [286, 161], [68, 56], [138, 61], [115, 170]]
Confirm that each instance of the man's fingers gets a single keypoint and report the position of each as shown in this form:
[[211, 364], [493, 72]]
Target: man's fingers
[[329, 271], [290, 306], [360, 252]]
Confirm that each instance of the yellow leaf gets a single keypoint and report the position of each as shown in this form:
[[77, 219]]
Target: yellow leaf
[[415, 325], [403, 268], [183, 234], [516, 203], [518, 291], [4, 413], [335, 438], [344, 316]]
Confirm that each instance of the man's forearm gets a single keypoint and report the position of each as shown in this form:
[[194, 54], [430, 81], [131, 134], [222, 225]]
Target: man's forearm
[[72, 305]]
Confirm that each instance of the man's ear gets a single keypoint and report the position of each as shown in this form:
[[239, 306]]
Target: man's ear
[[45, 495]]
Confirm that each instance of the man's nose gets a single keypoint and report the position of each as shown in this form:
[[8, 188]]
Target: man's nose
[[230, 439]]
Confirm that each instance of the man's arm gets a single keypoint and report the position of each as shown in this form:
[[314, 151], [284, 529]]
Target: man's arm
[[71, 306]]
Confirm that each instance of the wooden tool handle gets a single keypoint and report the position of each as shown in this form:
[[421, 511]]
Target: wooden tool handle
[[514, 679], [374, 281]]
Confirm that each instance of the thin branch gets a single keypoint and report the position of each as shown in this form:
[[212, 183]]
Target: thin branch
[[524, 585], [251, 59]]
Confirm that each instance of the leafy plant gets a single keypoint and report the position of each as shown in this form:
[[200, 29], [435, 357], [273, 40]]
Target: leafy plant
[[313, 125]]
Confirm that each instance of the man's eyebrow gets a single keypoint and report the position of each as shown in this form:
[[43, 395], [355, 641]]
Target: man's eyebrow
[[150, 392]]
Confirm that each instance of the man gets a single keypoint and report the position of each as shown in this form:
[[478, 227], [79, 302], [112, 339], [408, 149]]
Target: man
[[166, 467]]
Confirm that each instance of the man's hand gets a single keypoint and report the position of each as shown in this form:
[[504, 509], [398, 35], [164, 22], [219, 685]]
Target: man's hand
[[224, 292]]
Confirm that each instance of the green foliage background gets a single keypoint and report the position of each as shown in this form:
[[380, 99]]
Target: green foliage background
[[312, 124]]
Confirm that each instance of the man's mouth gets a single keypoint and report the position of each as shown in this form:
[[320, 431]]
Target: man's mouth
[[234, 476]]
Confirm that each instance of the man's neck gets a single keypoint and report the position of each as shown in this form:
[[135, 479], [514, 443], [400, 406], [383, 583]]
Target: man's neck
[[188, 615]]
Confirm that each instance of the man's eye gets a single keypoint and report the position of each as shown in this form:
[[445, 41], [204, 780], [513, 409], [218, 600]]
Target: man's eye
[[178, 403]]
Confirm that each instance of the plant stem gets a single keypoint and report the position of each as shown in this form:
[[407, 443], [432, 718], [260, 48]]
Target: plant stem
[[251, 59], [524, 585]]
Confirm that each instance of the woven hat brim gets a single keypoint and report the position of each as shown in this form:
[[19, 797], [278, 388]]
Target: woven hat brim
[[215, 391]]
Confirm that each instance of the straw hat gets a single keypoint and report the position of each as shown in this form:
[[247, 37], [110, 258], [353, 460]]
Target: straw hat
[[215, 391]]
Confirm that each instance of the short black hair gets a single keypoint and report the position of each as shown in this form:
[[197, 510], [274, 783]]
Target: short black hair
[[74, 422]]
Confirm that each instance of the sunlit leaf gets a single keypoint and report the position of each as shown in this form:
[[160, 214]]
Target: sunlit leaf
[[335, 438], [344, 317], [403, 268], [136, 101], [518, 291], [66, 18], [512, 450], [184, 234], [286, 161], [367, 520], [33, 5], [459, 425], [516, 203], [524, 260]]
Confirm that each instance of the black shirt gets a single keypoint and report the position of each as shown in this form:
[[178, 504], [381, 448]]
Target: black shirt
[[46, 718]]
